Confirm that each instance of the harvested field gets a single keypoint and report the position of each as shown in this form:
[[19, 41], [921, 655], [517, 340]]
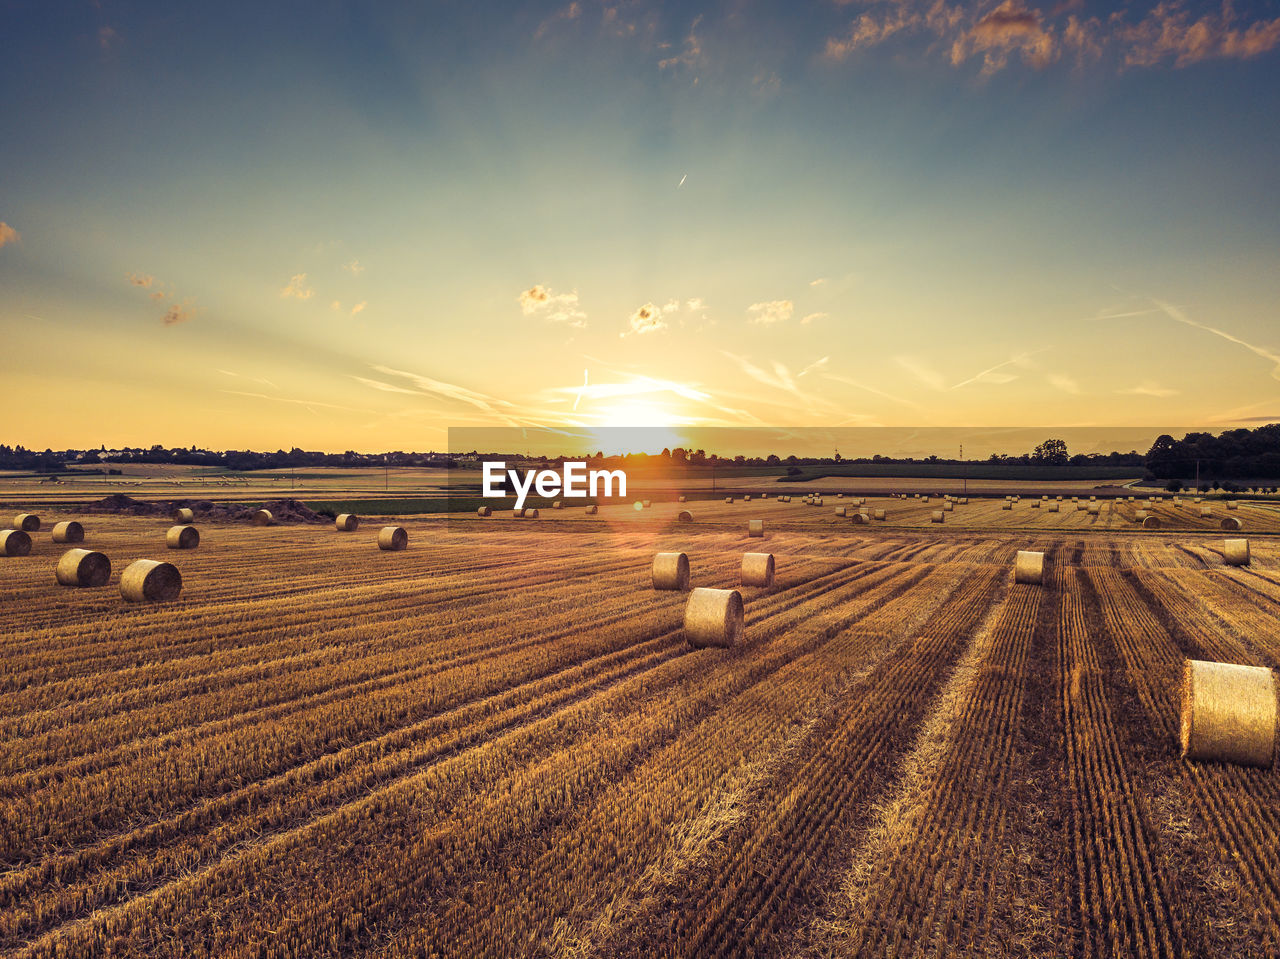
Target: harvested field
[[499, 743]]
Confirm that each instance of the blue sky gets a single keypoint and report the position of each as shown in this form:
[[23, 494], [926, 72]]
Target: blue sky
[[345, 225]]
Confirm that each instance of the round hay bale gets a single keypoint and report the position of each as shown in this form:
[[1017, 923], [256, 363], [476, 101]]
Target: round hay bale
[[840, 511], [755, 527], [728, 499], [1206, 511], [1095, 509], [1093, 499], [1035, 504], [1140, 515], [1080, 506], [1028, 567], [745, 499], [936, 516], [878, 514], [1228, 713], [263, 517], [182, 537], [517, 513], [393, 538], [684, 516], [184, 514], [68, 532], [14, 542], [1007, 506], [592, 510], [83, 567], [839, 495], [1054, 507], [484, 511], [757, 569], [531, 513], [347, 522], [1197, 499], [681, 499], [1235, 552], [147, 581], [1151, 522], [818, 501], [27, 522], [764, 495], [671, 571], [963, 501], [948, 507], [1230, 523], [861, 519], [646, 503], [1232, 504], [713, 617], [555, 504]]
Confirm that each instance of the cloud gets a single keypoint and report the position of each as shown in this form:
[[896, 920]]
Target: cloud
[[773, 311], [144, 280], [8, 234], [1176, 314], [384, 387], [818, 282], [355, 268], [106, 37], [810, 317], [695, 304], [922, 371], [297, 287], [1060, 381], [285, 399], [646, 319], [993, 375], [814, 366], [179, 314], [691, 56], [542, 302], [461, 394], [1148, 388], [1166, 33], [359, 307]]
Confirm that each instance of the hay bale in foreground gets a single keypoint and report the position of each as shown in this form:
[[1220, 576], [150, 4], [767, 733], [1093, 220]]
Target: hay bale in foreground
[[840, 511], [592, 510], [671, 571], [1235, 552], [1232, 504], [484, 510], [948, 507], [68, 532], [1140, 515], [1028, 567], [1206, 511], [148, 581], [684, 516], [182, 537], [393, 538], [1151, 522], [755, 527], [1095, 509], [27, 522], [1230, 523], [517, 513], [347, 523], [14, 542], [263, 517], [1035, 504], [83, 567], [936, 516], [757, 569], [1054, 507], [878, 514], [1228, 713], [713, 617], [531, 512], [184, 514], [861, 519]]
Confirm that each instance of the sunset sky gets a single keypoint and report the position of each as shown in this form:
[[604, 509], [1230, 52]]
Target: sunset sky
[[352, 226]]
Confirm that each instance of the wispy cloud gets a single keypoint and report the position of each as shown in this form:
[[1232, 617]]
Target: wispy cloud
[[297, 288], [646, 319], [384, 387], [144, 280], [294, 402], [811, 317], [359, 307], [858, 384], [542, 302], [451, 391], [780, 378], [922, 371], [1149, 388], [253, 379], [106, 37], [179, 313], [355, 267], [771, 311], [1269, 355], [690, 57], [1061, 381], [8, 234], [1166, 33]]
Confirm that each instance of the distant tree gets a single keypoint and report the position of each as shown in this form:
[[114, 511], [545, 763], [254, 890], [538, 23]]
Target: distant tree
[[1051, 452], [1174, 486]]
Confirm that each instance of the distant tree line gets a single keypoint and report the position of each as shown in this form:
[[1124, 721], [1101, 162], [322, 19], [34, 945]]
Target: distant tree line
[[1234, 454]]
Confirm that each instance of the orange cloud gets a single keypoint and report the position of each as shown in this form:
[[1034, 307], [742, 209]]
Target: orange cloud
[[297, 287], [541, 301], [179, 314], [773, 311], [8, 234]]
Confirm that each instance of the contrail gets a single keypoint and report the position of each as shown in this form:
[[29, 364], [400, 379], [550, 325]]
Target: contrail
[[577, 398], [682, 179]]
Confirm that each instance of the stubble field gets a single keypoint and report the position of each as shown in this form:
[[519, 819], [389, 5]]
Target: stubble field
[[497, 743]]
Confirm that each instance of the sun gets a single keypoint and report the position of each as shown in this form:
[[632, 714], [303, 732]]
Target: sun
[[636, 426]]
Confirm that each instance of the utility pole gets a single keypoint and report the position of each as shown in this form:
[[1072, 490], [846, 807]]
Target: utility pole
[[386, 474], [964, 473]]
